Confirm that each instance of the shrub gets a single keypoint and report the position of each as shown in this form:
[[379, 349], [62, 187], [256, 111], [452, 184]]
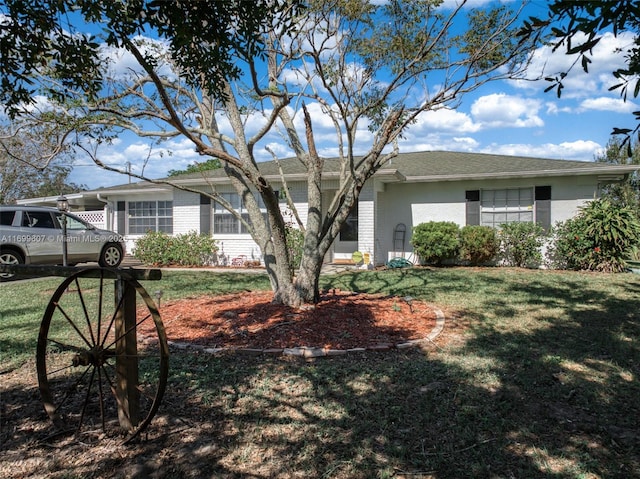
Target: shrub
[[436, 241], [569, 248], [521, 243], [189, 249], [152, 248], [192, 249], [599, 238], [478, 244]]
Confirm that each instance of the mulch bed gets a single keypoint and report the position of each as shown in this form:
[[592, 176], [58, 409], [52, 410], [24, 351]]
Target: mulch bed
[[341, 320]]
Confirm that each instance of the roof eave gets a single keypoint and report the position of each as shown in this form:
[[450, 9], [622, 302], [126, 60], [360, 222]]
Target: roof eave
[[132, 191], [615, 173]]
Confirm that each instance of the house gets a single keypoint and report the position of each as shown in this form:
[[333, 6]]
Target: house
[[467, 188]]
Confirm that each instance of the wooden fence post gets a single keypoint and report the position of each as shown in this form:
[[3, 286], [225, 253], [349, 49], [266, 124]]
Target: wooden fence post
[[127, 392]]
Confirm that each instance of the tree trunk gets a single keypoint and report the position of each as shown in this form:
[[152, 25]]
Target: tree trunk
[[301, 288], [294, 291]]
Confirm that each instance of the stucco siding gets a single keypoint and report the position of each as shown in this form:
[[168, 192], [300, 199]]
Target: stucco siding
[[415, 203]]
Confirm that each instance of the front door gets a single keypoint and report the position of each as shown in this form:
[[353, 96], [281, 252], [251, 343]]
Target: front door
[[347, 241]]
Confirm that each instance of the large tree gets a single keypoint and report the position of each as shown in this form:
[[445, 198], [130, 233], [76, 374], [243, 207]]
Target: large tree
[[33, 163], [225, 75]]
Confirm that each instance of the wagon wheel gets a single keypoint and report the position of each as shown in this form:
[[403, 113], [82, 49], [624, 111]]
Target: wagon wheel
[[101, 367]]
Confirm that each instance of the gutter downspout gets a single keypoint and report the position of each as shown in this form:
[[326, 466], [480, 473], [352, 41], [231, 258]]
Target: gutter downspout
[[108, 211]]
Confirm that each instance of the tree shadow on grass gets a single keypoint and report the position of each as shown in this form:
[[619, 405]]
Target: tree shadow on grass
[[549, 392]]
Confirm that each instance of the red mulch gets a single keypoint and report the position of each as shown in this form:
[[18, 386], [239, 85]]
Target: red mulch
[[340, 320]]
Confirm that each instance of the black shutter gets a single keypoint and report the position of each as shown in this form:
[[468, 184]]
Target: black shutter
[[543, 206], [205, 215], [122, 218], [473, 207]]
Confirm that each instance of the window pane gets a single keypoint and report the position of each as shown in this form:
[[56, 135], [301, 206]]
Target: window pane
[[141, 225], [72, 223], [243, 228], [147, 216], [506, 206], [225, 224], [165, 208], [38, 219], [349, 230], [6, 218], [165, 225]]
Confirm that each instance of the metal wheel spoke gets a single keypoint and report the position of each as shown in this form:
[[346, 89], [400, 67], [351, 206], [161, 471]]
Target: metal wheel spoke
[[73, 325], [101, 290], [63, 368], [85, 311], [111, 323], [101, 398], [71, 389], [86, 398], [131, 329], [66, 347]]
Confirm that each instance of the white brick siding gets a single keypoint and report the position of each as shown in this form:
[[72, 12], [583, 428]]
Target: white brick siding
[[186, 212]]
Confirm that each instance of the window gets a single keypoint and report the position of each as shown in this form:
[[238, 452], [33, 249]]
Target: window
[[506, 206], [226, 223], [6, 218], [38, 219], [495, 207], [147, 216], [349, 230], [72, 223]]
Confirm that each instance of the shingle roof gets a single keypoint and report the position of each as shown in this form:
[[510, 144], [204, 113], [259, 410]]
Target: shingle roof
[[443, 165], [431, 166]]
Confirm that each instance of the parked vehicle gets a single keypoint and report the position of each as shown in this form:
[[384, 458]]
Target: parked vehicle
[[34, 235]]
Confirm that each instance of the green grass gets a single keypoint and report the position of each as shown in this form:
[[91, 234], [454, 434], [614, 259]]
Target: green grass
[[540, 378]]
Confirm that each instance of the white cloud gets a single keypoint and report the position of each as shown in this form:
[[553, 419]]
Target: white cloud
[[499, 110], [122, 64], [443, 120], [617, 105], [554, 109], [581, 150], [606, 57], [451, 4]]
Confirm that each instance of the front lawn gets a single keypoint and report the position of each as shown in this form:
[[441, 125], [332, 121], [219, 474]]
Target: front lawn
[[537, 374]]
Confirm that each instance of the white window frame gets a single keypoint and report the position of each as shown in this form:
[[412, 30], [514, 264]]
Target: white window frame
[[150, 211], [224, 218], [507, 205]]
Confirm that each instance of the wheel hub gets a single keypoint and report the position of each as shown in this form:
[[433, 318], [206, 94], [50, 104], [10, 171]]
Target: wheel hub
[[93, 357]]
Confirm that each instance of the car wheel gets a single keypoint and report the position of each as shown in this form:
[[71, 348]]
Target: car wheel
[[111, 256], [9, 257]]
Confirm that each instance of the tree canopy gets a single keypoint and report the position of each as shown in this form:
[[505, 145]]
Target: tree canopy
[[229, 77], [625, 193], [24, 173], [577, 27], [45, 38], [198, 167]]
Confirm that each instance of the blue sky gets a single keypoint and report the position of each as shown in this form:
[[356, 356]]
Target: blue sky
[[506, 117]]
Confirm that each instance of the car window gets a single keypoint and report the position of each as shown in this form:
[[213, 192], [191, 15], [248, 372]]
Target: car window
[[37, 219], [73, 223], [6, 218]]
